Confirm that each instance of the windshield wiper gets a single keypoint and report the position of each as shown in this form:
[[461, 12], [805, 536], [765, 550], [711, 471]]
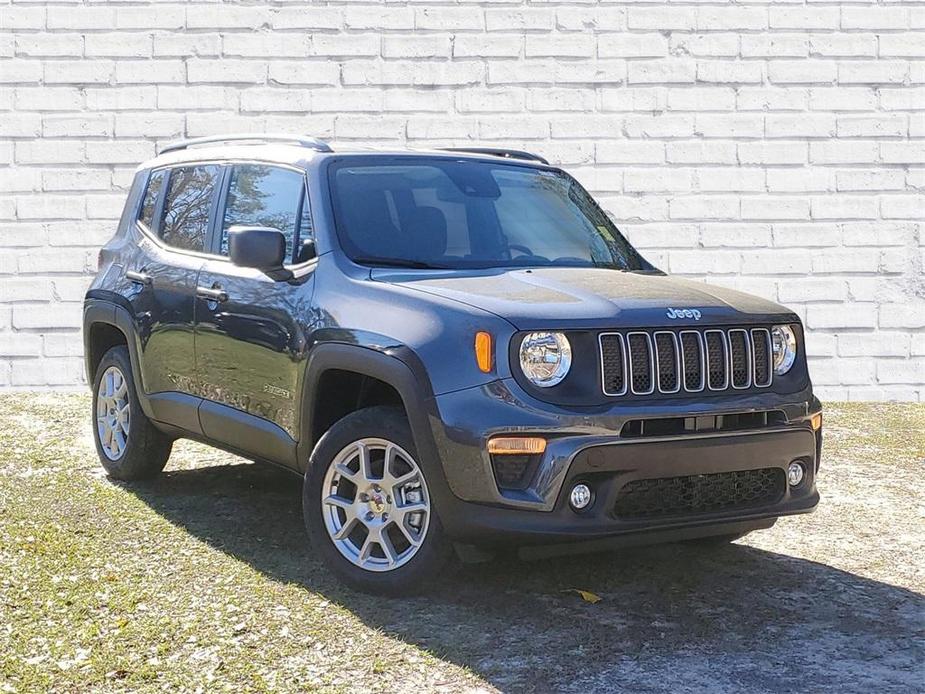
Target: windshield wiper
[[399, 262]]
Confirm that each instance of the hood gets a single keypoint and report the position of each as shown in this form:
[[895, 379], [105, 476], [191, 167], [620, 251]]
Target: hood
[[560, 297]]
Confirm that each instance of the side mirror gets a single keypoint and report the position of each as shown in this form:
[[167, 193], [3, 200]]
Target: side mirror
[[258, 247]]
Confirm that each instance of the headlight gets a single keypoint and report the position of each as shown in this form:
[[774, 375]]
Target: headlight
[[545, 358], [784, 348]]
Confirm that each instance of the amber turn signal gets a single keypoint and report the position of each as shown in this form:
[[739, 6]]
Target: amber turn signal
[[483, 351], [816, 421], [516, 445]]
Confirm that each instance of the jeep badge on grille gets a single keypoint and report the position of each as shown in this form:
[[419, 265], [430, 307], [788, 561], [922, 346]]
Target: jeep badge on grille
[[683, 313]]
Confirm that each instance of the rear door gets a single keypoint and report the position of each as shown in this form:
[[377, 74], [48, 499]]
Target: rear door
[[174, 217], [250, 328]]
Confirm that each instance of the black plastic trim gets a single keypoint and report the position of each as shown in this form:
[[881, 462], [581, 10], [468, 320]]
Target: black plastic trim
[[243, 431], [177, 409], [110, 308], [361, 360]]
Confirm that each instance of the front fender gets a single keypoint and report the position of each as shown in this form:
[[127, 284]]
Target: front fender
[[400, 368], [395, 365]]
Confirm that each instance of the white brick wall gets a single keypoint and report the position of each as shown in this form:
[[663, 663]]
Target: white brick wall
[[774, 147]]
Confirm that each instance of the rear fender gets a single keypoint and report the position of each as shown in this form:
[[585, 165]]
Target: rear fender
[[110, 311]]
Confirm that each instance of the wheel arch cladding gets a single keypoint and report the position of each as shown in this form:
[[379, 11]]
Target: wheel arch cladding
[[101, 338], [369, 368], [114, 316]]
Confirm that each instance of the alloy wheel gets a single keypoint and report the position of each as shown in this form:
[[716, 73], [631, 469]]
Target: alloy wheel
[[375, 504], [113, 413]]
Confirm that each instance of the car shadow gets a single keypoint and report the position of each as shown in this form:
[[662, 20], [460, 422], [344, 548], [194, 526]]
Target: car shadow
[[672, 617]]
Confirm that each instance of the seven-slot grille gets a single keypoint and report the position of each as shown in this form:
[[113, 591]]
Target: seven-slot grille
[[667, 361]]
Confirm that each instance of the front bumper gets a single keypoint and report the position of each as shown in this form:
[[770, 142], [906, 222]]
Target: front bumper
[[588, 448]]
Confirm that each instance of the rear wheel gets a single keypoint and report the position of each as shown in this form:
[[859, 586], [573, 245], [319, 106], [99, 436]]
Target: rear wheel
[[367, 506], [128, 445]]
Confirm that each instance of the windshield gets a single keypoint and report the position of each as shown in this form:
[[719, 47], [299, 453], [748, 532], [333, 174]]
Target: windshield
[[444, 213]]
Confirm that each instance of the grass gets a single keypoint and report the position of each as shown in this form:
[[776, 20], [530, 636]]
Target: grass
[[202, 580]]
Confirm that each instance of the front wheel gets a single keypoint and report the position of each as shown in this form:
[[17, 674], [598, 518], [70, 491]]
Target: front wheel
[[367, 507]]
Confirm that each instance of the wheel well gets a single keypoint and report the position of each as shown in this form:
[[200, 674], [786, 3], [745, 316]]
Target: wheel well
[[103, 337], [341, 392]]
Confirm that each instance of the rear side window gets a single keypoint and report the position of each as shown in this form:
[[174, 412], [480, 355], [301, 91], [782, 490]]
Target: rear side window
[[264, 196], [186, 210], [152, 193]]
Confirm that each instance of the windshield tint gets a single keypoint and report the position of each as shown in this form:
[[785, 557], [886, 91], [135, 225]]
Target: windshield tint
[[447, 213]]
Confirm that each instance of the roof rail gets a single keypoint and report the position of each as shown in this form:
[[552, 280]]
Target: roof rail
[[303, 141], [499, 152]]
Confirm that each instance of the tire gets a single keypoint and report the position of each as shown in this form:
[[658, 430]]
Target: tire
[[381, 534], [135, 450]]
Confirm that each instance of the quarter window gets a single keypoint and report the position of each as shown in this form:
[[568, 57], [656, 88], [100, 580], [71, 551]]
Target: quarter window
[[189, 199], [264, 196], [152, 193]]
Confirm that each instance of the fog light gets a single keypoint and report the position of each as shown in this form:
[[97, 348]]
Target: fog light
[[580, 496], [795, 473]]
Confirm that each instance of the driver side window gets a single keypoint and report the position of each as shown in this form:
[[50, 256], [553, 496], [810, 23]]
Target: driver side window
[[265, 196]]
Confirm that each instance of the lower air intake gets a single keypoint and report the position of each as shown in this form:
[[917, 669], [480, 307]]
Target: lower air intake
[[696, 494]]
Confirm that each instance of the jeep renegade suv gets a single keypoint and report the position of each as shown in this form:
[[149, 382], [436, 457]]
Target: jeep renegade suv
[[453, 348]]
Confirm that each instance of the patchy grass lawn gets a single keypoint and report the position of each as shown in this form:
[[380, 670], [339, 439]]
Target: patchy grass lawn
[[202, 580]]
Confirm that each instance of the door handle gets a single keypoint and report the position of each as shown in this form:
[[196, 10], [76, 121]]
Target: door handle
[[218, 295], [139, 277]]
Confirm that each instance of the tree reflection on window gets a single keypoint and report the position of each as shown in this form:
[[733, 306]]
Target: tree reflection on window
[[189, 197], [149, 203], [263, 196]]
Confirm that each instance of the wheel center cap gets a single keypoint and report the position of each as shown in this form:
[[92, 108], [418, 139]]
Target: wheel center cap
[[376, 503]]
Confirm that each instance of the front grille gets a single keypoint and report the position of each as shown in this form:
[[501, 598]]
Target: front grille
[[761, 348], [700, 494], [640, 346], [693, 360], [718, 359], [738, 358], [667, 361], [613, 363]]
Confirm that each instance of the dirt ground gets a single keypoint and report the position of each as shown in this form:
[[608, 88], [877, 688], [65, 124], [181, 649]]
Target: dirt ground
[[202, 581]]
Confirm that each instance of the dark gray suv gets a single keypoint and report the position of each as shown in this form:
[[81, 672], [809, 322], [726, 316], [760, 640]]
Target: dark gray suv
[[453, 348]]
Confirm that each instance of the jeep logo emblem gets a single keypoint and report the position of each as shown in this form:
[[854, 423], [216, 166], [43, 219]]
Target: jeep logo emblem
[[683, 313]]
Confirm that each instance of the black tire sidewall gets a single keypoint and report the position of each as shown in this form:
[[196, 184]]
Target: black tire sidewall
[[387, 423]]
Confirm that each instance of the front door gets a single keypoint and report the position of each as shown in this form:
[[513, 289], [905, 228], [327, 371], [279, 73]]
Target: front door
[[250, 328]]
